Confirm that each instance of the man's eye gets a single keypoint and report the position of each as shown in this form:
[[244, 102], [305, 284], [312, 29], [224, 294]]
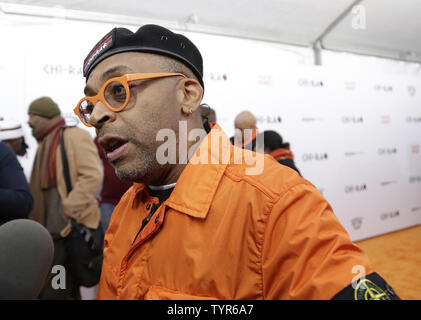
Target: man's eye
[[115, 93], [119, 90]]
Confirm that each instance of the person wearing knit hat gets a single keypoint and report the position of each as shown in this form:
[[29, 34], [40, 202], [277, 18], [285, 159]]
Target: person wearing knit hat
[[54, 204], [44, 107], [44, 114], [12, 134]]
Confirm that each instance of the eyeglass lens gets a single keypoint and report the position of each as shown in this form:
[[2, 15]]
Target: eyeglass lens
[[85, 110], [115, 96]]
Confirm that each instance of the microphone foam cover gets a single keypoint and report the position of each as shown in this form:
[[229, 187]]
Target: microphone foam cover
[[26, 256]]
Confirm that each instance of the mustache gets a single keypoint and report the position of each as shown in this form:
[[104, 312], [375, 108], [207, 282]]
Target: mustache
[[102, 132], [123, 133]]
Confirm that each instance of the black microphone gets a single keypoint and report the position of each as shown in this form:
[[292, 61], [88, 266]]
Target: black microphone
[[26, 256]]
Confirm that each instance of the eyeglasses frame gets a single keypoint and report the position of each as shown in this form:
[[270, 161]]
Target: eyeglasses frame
[[124, 80]]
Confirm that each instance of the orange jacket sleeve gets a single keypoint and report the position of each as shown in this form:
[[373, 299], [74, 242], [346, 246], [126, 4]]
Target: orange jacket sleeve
[[306, 253]]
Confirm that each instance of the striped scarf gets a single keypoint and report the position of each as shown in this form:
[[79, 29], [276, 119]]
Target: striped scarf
[[282, 154], [43, 174], [45, 161]]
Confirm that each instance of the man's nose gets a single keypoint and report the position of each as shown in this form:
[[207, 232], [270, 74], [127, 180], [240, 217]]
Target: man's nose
[[101, 115]]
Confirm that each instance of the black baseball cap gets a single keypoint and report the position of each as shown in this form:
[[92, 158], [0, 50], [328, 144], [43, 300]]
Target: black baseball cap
[[148, 38]]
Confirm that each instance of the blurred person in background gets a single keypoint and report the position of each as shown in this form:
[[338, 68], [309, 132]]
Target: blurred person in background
[[208, 115], [12, 134], [245, 131], [281, 151], [52, 205], [15, 198]]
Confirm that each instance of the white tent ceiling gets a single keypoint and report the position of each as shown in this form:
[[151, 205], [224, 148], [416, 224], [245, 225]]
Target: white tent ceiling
[[392, 26]]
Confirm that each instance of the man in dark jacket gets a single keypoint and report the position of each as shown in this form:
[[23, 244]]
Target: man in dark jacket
[[11, 133], [274, 146], [15, 198]]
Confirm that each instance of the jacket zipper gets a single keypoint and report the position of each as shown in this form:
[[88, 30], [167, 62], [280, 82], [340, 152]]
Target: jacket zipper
[[146, 220]]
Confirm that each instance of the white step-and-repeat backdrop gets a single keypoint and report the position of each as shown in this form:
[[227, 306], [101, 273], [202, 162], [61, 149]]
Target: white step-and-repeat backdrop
[[355, 135]]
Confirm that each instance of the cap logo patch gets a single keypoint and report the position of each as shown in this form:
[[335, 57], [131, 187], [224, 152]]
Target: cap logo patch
[[103, 45]]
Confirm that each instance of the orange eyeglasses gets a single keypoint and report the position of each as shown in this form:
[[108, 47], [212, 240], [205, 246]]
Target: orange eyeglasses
[[114, 94]]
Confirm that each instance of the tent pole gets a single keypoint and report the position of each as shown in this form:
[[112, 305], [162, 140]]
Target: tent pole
[[317, 52], [317, 45]]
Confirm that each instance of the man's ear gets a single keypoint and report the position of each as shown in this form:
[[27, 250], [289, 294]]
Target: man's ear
[[189, 95]]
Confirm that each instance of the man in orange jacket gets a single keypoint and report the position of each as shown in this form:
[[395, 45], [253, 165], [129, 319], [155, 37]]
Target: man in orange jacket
[[203, 221]]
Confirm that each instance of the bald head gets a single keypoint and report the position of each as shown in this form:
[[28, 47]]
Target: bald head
[[245, 120]]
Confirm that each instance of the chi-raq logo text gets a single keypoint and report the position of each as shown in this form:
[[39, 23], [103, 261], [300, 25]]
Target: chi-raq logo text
[[352, 119], [215, 76], [268, 119], [414, 179], [314, 156], [58, 69], [310, 83], [389, 215], [355, 188], [386, 151], [383, 87], [410, 119]]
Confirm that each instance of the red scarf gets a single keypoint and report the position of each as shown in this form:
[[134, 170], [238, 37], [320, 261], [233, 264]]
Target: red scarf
[[282, 154]]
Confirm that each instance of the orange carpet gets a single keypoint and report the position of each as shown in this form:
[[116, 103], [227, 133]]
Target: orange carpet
[[396, 257]]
